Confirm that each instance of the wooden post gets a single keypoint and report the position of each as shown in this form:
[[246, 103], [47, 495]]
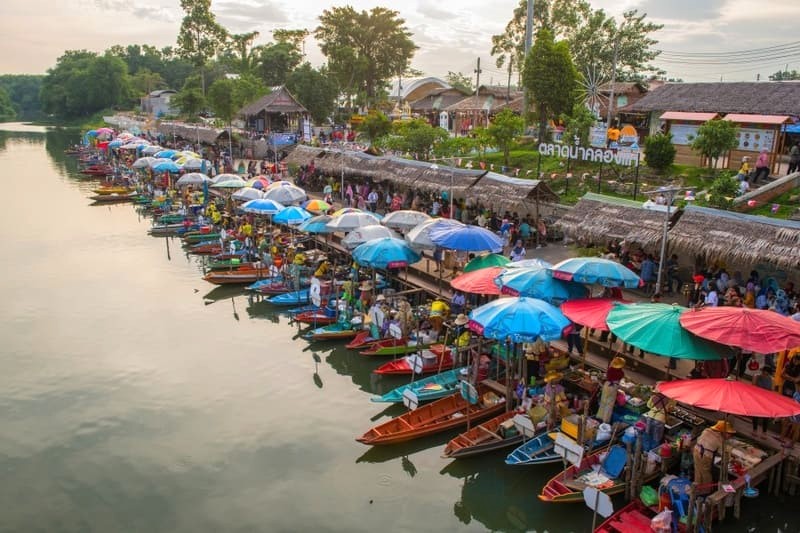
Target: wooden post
[[629, 472], [690, 511]]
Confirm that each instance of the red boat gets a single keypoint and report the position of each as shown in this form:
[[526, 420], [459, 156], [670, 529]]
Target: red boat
[[437, 357], [98, 170], [632, 518], [362, 340], [318, 317], [206, 249]]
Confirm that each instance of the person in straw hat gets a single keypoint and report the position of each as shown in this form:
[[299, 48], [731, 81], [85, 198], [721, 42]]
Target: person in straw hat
[[439, 311], [365, 297], [709, 444], [461, 332], [555, 399], [608, 396]]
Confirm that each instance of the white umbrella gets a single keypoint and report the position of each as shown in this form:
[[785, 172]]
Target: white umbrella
[[231, 183], [150, 150], [247, 193], [419, 238], [143, 162], [133, 145], [351, 221], [155, 161], [196, 164], [192, 178], [367, 233], [287, 194], [225, 177], [404, 219]]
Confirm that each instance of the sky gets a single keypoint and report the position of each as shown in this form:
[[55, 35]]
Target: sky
[[451, 34]]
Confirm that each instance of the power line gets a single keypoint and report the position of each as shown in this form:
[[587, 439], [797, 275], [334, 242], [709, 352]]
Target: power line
[[737, 53]]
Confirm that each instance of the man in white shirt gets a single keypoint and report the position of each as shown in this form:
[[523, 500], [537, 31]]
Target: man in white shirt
[[712, 299]]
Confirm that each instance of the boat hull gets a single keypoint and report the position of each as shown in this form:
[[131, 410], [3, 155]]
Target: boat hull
[[483, 438], [427, 389]]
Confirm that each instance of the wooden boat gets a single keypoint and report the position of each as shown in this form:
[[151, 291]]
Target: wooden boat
[[567, 486], [427, 389], [319, 316], [173, 218], [632, 518], [290, 298], [165, 229], [446, 413], [114, 189], [485, 437], [235, 276], [206, 248], [228, 264], [363, 339], [536, 451], [113, 198], [431, 363], [194, 237], [393, 347], [98, 170], [331, 332]]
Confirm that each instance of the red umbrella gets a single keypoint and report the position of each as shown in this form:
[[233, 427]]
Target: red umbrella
[[478, 281], [590, 312], [727, 395], [756, 330]]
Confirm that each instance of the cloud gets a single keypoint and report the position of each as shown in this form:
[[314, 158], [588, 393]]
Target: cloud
[[252, 13], [431, 11], [682, 9], [140, 10]]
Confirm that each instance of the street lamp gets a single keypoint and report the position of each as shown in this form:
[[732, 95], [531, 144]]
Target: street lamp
[[669, 194]]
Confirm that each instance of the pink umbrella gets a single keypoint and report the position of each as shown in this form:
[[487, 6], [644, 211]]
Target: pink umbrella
[[757, 330], [478, 281]]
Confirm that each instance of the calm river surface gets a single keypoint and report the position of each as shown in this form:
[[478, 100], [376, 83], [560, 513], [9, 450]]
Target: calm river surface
[[134, 396]]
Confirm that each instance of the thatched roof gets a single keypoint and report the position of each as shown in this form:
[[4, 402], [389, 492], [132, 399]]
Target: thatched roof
[[437, 100], [737, 238], [487, 100], [191, 132], [505, 191], [280, 100], [597, 218], [759, 98]]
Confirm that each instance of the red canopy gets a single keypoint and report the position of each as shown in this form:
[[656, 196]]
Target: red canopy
[[478, 281], [730, 396], [756, 330], [590, 312]]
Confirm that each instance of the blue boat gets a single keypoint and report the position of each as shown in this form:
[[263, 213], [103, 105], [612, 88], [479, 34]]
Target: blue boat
[[540, 450], [290, 298], [427, 389]]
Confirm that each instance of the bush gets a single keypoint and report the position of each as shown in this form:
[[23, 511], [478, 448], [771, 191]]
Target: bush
[[723, 191], [659, 151]]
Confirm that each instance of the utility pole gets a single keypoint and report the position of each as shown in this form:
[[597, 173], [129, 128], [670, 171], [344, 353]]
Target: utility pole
[[613, 79], [508, 91], [478, 78], [528, 44]]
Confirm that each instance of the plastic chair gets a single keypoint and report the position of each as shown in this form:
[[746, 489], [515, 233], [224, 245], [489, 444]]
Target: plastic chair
[[678, 490]]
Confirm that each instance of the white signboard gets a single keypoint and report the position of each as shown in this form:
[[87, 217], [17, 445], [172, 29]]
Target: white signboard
[[395, 331], [469, 392], [755, 140], [567, 448], [596, 155], [683, 134], [597, 137], [416, 363], [524, 425], [306, 130], [410, 399], [314, 292], [598, 501], [444, 120]]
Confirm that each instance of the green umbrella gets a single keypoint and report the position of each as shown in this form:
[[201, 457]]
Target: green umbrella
[[486, 261], [655, 328]]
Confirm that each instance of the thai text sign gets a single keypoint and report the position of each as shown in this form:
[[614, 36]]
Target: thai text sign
[[597, 155]]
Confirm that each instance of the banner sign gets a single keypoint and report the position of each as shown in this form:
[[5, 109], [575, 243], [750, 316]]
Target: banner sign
[[597, 155]]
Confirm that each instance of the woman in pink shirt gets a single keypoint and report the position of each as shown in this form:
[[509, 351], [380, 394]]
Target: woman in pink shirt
[[762, 166]]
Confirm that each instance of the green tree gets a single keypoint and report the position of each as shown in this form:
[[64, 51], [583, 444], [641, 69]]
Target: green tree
[[146, 81], [248, 88], [455, 146], [7, 112], [578, 124], [364, 49], [292, 37], [190, 100], [785, 75], [505, 127], [659, 151], [240, 53], [415, 137], [459, 81], [223, 104], [551, 78], [23, 89], [200, 37], [723, 190], [276, 61], [375, 126], [714, 138], [315, 89]]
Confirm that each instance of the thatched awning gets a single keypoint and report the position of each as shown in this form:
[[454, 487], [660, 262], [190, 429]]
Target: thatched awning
[[302, 155], [507, 192], [280, 100], [598, 219], [758, 98], [426, 176], [192, 132], [737, 238]]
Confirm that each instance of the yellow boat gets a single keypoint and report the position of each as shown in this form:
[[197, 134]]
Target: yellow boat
[[116, 189]]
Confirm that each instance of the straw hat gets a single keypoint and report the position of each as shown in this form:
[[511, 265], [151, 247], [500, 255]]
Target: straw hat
[[618, 362], [553, 375], [724, 426], [461, 319], [380, 298], [365, 286]]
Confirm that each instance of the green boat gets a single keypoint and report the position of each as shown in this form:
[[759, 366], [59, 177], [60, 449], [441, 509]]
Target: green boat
[[393, 347], [196, 237], [171, 219], [427, 389]]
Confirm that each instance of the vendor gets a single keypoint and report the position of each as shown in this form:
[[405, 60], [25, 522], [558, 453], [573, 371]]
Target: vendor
[[709, 444], [534, 356], [439, 311], [608, 396], [656, 417], [555, 399], [365, 296]]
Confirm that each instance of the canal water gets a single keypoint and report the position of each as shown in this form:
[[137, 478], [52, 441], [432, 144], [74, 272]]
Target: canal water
[[134, 396]]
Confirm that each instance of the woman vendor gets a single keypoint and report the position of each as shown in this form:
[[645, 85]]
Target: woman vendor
[[534, 356], [555, 399], [365, 295], [608, 396], [656, 417], [709, 444], [439, 311]]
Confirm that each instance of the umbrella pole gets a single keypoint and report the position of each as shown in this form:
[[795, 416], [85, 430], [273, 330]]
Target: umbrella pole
[[585, 347]]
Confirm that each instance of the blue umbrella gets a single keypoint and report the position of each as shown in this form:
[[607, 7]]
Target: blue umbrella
[[262, 206], [165, 166], [519, 319], [166, 153], [538, 283], [529, 263], [385, 253], [116, 143], [317, 224], [596, 270], [467, 238], [292, 215]]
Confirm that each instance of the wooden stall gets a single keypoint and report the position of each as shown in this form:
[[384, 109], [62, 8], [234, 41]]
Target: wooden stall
[[683, 126], [755, 133]]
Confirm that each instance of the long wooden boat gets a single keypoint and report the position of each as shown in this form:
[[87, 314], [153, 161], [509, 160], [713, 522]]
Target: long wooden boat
[[235, 276], [331, 332], [114, 189], [632, 518], [536, 451], [432, 362], [98, 170], [320, 316], [393, 347], [165, 229], [206, 248], [172, 218], [427, 389], [113, 198], [567, 486], [364, 339], [195, 237], [447, 413], [483, 438]]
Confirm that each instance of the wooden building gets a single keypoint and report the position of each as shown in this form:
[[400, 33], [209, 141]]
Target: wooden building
[[275, 112], [477, 110]]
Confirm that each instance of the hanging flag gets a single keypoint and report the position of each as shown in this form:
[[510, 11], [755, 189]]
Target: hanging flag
[[491, 167], [458, 162], [528, 172], [775, 208], [504, 169], [516, 172], [483, 165]]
